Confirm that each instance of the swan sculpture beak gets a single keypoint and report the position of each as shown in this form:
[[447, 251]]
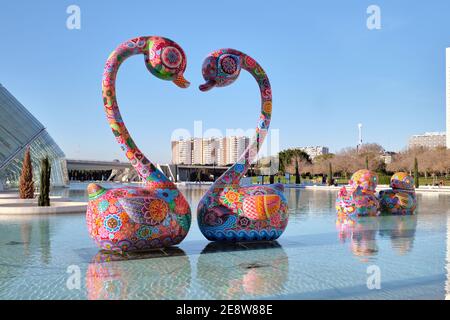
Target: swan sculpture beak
[[207, 86], [181, 81]]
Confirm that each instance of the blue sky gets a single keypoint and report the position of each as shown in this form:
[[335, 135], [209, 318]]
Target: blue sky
[[328, 71]]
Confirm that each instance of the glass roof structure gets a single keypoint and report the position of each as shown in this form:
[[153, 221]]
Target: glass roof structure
[[19, 129]]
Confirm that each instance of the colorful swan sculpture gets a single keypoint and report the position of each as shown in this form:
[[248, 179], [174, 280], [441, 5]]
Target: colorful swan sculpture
[[359, 198], [401, 199], [229, 212], [156, 215]]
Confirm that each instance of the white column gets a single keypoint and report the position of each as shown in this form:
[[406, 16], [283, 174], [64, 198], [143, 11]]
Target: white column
[[447, 94]]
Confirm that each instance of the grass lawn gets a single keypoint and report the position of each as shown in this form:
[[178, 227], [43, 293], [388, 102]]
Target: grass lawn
[[382, 179]]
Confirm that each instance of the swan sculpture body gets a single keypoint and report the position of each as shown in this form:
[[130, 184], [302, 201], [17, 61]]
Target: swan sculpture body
[[401, 199], [156, 215], [359, 198], [229, 212]]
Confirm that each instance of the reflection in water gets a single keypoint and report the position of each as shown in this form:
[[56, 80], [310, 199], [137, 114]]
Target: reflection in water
[[193, 194], [36, 251], [234, 271], [158, 274], [45, 244], [362, 233], [293, 199], [447, 262], [311, 202], [29, 232], [401, 230], [25, 233]]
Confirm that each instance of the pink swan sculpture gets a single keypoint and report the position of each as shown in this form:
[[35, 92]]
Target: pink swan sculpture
[[156, 215]]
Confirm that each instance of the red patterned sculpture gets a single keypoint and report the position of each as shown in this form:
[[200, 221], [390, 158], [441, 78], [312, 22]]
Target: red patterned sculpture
[[156, 215]]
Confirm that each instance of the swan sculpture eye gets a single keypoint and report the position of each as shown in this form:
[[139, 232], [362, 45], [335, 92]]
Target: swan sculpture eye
[[228, 64], [171, 57]]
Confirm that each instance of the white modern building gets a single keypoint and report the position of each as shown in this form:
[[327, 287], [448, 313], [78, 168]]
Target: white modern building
[[221, 151], [314, 151], [447, 94], [429, 140], [197, 151], [182, 152], [209, 151], [235, 146]]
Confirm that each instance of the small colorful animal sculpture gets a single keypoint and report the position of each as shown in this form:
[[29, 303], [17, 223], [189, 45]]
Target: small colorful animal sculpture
[[359, 198], [401, 199]]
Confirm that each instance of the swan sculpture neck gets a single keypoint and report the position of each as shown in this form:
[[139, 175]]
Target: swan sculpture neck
[[228, 211], [144, 167], [235, 173]]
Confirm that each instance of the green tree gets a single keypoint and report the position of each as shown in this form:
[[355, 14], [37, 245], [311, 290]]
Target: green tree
[[416, 173], [26, 183], [297, 173], [291, 160], [330, 174], [44, 192]]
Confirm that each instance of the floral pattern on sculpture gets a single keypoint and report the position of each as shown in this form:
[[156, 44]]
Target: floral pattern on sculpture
[[401, 199], [359, 199], [133, 218], [228, 211]]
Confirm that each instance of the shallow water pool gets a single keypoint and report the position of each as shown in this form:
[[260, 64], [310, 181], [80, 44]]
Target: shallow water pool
[[52, 257]]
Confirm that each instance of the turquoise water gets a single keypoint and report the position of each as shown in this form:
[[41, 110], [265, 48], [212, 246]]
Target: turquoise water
[[52, 257]]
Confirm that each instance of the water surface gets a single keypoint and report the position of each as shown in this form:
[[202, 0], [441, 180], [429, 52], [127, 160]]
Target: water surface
[[44, 257]]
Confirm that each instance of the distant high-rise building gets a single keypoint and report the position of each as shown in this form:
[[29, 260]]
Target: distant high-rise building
[[314, 151], [232, 150], [197, 151], [242, 144], [209, 151], [182, 151], [447, 91], [235, 147], [175, 151], [210, 146], [221, 152], [428, 140]]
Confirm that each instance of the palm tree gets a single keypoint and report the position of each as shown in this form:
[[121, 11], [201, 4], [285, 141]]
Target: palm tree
[[291, 161]]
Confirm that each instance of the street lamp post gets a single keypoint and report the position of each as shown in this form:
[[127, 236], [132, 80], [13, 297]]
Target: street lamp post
[[359, 136]]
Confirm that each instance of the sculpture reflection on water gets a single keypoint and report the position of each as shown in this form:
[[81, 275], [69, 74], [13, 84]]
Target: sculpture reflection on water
[[116, 277], [362, 233], [253, 270]]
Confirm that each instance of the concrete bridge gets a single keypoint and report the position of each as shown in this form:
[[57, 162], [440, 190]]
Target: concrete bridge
[[198, 172], [84, 170], [96, 165]]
